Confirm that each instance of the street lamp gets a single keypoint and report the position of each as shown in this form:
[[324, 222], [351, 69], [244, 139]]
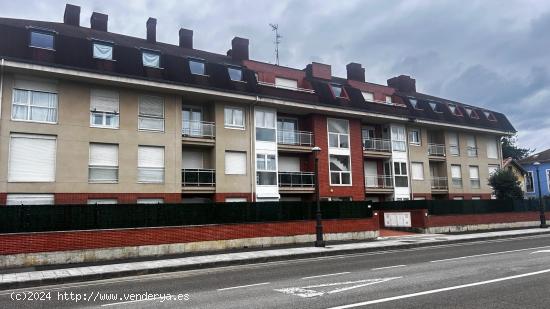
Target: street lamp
[[319, 242], [541, 206]]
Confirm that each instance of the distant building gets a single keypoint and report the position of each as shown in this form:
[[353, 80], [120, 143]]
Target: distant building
[[531, 187], [517, 169]]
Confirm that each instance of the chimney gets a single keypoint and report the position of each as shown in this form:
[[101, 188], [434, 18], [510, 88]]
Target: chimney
[[152, 30], [403, 83], [355, 72], [98, 21], [239, 49], [186, 38], [319, 70], [72, 15]]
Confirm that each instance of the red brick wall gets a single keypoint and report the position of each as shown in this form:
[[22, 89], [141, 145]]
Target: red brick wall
[[357, 190], [427, 196], [468, 196], [267, 73], [503, 217], [123, 198], [3, 198], [220, 197], [418, 217], [79, 240]]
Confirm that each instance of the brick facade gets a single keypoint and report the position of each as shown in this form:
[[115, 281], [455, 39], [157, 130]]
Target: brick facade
[[220, 197], [122, 198]]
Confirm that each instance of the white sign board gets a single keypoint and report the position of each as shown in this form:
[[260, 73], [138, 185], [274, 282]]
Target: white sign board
[[397, 219]]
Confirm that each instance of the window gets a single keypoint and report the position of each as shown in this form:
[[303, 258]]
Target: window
[[235, 163], [368, 96], [417, 170], [235, 73], [471, 113], [30, 199], [414, 103], [42, 39], [265, 125], [235, 200], [31, 158], [336, 90], [492, 148], [471, 145], [234, 117], [493, 168], [197, 66], [32, 105], [340, 173], [548, 179], [400, 172], [266, 170], [338, 133], [150, 58], [454, 147], [398, 138], [474, 177], [103, 163], [435, 106], [529, 182], [102, 201], [104, 109], [489, 116], [151, 113], [389, 100], [454, 109], [286, 83], [150, 201], [150, 164], [101, 50], [476, 197], [456, 176], [414, 137], [458, 198]]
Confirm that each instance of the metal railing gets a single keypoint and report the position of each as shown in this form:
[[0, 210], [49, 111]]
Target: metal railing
[[297, 179], [379, 181], [457, 182], [475, 183], [439, 183], [293, 137], [472, 151], [195, 128], [198, 177], [436, 150], [377, 144], [454, 150]]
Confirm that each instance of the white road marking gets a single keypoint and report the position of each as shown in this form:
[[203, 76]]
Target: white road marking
[[388, 299], [242, 286], [307, 291], [327, 275], [541, 251], [394, 266], [135, 301], [486, 254]]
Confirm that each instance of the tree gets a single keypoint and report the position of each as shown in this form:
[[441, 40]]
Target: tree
[[506, 185], [510, 149]]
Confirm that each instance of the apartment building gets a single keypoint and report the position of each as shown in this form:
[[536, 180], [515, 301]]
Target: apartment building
[[90, 116]]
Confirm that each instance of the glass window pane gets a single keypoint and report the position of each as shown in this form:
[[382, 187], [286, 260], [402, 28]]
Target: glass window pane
[[265, 135], [21, 96], [335, 178], [337, 90], [260, 162], [270, 163], [151, 59], [344, 141], [235, 74], [19, 112], [42, 39], [339, 163], [338, 126], [196, 67], [103, 51], [346, 178], [333, 140]]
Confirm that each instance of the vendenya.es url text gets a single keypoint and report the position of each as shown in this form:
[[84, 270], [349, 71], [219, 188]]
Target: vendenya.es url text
[[97, 296]]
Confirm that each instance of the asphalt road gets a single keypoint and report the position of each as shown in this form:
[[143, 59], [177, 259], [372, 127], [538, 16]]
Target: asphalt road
[[504, 273]]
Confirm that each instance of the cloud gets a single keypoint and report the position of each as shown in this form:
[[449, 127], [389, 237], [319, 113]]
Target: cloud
[[481, 52]]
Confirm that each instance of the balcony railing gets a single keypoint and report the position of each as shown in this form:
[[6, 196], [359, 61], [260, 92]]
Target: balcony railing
[[297, 179], [377, 144], [457, 182], [437, 150], [200, 129], [472, 151], [454, 150], [198, 177], [475, 183], [439, 183], [379, 181], [292, 137]]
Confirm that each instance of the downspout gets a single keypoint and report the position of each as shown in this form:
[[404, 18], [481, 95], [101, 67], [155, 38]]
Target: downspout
[[1, 85], [252, 161]]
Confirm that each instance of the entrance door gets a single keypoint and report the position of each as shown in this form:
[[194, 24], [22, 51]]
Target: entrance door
[[371, 174], [192, 117]]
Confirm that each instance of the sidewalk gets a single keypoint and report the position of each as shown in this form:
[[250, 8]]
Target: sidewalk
[[76, 274]]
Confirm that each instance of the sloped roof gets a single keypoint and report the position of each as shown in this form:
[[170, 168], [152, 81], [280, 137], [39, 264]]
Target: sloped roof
[[543, 156]]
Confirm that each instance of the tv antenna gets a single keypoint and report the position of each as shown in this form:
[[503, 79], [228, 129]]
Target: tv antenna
[[275, 27]]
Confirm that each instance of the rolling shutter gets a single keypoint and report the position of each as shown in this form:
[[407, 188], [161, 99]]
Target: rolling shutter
[[104, 101], [151, 164], [235, 163], [30, 199], [25, 165]]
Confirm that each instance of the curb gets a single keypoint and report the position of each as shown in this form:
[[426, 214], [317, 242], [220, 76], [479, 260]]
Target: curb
[[126, 273]]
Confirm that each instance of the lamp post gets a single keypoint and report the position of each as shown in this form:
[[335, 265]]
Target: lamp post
[[543, 224], [319, 242]]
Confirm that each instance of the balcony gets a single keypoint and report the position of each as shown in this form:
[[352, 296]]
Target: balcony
[[294, 141], [378, 184], [198, 180], [297, 182], [377, 147], [472, 151], [439, 184], [436, 151], [198, 132]]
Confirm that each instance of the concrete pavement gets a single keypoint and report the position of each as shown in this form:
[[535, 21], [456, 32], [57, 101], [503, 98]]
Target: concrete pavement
[[75, 274]]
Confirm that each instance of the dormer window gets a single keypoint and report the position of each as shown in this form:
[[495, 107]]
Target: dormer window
[[414, 103], [489, 116], [471, 113], [389, 100], [368, 96], [338, 91], [102, 50], [286, 83], [435, 107], [150, 58], [235, 73], [42, 39], [197, 66], [454, 109]]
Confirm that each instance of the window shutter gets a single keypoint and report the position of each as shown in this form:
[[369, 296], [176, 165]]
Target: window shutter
[[455, 172], [474, 172], [151, 106], [235, 163], [492, 151], [191, 159], [30, 199], [103, 154], [417, 170], [36, 84], [286, 83], [453, 139], [104, 101], [289, 164], [471, 141], [25, 164], [150, 156]]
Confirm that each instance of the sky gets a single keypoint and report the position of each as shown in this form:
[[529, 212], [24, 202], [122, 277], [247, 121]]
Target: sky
[[492, 54]]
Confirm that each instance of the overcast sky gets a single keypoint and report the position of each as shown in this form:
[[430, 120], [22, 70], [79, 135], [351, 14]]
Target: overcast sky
[[493, 54]]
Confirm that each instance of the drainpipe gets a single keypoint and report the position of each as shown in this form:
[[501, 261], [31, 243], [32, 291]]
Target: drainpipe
[[252, 161], [1, 84]]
